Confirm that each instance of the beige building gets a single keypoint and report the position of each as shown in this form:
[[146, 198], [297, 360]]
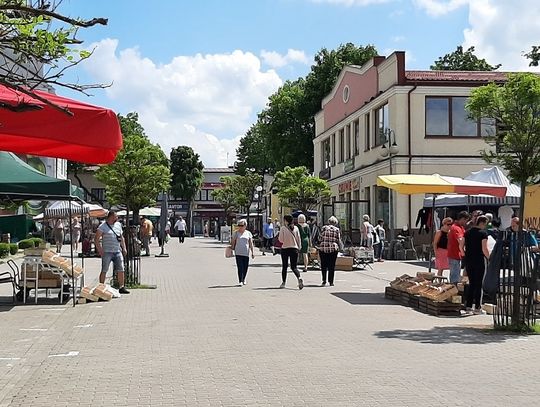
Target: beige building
[[416, 116]]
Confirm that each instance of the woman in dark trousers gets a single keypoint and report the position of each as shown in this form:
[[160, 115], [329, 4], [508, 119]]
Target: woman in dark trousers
[[330, 243], [289, 236], [476, 256], [242, 244]]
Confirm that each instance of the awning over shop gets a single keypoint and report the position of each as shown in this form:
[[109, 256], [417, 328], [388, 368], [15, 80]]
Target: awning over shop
[[20, 181]]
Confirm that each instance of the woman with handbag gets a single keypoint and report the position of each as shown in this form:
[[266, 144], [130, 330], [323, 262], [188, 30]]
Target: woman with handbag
[[289, 236], [242, 244]]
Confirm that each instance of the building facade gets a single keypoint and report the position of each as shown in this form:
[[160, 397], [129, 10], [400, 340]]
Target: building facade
[[382, 119]]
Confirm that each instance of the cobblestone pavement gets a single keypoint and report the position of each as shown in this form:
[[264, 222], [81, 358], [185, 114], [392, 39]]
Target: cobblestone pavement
[[199, 340]]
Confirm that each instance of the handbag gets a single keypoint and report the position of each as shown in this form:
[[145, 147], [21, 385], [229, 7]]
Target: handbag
[[229, 252]]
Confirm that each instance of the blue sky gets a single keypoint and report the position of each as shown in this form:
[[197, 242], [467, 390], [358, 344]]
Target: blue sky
[[198, 72]]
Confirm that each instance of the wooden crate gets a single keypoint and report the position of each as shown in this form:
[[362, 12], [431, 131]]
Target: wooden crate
[[439, 308], [344, 263]]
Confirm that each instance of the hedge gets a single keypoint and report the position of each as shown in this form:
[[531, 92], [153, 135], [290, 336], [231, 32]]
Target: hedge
[[4, 250], [36, 240], [13, 248], [26, 244]]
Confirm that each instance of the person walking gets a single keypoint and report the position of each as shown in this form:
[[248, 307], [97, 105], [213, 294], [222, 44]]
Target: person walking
[[329, 246], [277, 228], [289, 236], [381, 234], [367, 232], [180, 226], [476, 256], [268, 236], [111, 246], [76, 228], [242, 244], [455, 246], [440, 244], [59, 234], [146, 234], [305, 238]]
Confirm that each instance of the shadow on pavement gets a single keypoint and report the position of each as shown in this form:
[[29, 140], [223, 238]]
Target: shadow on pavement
[[444, 335], [418, 263], [364, 298], [6, 306], [225, 286], [264, 265], [275, 288]]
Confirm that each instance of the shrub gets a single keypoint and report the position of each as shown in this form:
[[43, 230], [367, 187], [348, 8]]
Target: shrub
[[13, 248], [36, 240], [4, 250], [26, 244]]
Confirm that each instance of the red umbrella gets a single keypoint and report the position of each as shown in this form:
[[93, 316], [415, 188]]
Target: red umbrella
[[90, 135]]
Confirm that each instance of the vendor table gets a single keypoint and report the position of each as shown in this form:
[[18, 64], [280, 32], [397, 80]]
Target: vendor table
[[36, 267]]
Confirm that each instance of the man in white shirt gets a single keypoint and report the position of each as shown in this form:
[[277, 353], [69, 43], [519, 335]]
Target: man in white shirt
[[180, 226]]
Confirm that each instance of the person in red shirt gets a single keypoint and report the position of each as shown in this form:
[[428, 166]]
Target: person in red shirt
[[456, 246]]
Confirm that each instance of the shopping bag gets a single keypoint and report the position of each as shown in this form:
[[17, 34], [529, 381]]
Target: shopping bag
[[229, 252]]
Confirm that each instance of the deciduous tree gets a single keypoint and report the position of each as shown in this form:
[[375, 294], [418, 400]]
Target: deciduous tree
[[38, 45], [187, 176], [300, 190], [139, 172], [460, 60]]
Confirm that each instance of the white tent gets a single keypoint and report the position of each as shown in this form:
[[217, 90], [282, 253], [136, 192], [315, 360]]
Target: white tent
[[492, 175], [60, 209], [145, 212]]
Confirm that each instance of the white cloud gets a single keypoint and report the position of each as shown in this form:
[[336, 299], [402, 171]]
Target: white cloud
[[440, 7], [204, 101], [276, 60], [353, 2], [501, 31], [398, 38]]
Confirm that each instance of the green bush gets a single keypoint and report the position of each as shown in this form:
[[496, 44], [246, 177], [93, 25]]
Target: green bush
[[4, 250], [26, 244], [36, 240], [13, 248]]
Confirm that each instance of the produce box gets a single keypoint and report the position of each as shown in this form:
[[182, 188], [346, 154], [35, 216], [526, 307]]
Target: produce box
[[102, 293], [344, 263]]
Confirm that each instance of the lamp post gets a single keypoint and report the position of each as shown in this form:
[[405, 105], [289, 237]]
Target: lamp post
[[258, 195], [389, 151]]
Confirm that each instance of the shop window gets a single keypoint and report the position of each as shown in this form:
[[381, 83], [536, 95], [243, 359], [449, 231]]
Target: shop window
[[334, 149], [348, 141], [446, 116], [98, 193], [382, 204]]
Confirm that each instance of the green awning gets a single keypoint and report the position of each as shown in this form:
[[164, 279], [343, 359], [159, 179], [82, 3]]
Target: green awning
[[18, 180]]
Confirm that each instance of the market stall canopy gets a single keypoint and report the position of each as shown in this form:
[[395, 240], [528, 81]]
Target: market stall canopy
[[90, 135], [493, 175], [20, 181], [437, 184], [59, 209], [144, 212], [96, 211]]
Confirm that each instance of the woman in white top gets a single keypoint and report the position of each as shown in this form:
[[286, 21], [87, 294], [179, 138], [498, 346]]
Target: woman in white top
[[59, 234], [367, 232], [289, 236], [242, 244], [76, 227]]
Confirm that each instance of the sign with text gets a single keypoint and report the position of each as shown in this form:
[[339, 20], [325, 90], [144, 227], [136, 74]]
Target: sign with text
[[531, 211]]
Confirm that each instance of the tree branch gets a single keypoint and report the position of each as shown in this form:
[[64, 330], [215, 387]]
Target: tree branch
[[56, 16]]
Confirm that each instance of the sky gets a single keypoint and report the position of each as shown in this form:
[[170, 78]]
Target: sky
[[199, 72]]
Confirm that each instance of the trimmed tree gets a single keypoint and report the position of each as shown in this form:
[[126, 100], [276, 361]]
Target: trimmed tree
[[187, 176], [516, 146], [298, 189]]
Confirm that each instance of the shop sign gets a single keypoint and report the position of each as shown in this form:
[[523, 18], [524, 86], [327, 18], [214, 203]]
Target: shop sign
[[348, 165], [345, 187], [355, 184], [178, 207], [531, 211]]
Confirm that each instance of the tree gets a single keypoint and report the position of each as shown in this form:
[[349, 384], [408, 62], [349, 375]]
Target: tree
[[516, 108], [238, 192], [534, 55], [284, 131], [38, 45], [298, 189], [460, 60], [139, 172], [187, 176]]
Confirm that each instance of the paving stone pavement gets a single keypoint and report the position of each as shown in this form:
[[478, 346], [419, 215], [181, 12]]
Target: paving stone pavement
[[199, 340]]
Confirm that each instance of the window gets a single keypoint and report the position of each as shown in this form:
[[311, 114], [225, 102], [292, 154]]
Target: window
[[341, 145], [98, 194], [348, 141], [356, 129], [334, 149], [382, 124], [447, 117], [325, 150], [367, 128]]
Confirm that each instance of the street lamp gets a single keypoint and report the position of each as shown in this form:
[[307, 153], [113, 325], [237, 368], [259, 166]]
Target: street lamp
[[258, 196], [389, 151]]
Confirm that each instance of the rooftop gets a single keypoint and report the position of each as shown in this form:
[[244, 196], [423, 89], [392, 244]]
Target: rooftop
[[223, 169], [479, 76]]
